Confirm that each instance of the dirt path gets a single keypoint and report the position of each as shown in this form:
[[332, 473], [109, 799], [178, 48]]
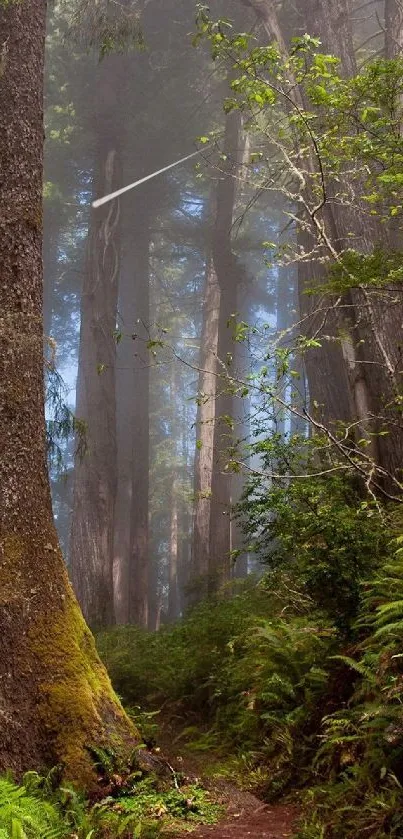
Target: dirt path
[[245, 815], [263, 822]]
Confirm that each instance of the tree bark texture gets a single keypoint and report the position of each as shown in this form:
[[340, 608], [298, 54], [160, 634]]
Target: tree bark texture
[[393, 28], [173, 581], [55, 697], [91, 544], [139, 517], [203, 468], [228, 273], [133, 285]]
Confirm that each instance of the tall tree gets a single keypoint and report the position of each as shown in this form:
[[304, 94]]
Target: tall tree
[[328, 380], [132, 496], [139, 517], [205, 420], [228, 272], [55, 696], [393, 28], [91, 545], [371, 352]]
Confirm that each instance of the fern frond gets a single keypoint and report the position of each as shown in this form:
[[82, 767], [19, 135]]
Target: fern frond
[[23, 816], [395, 629], [358, 666]]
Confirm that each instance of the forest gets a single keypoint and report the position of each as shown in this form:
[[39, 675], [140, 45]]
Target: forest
[[201, 419]]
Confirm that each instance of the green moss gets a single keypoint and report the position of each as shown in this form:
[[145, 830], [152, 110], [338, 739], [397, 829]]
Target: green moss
[[57, 665], [78, 707]]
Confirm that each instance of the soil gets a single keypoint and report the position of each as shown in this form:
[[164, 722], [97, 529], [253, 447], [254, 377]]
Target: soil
[[245, 816], [251, 819]]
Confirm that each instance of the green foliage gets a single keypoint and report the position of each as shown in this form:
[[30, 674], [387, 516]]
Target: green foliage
[[337, 136], [265, 677], [23, 816], [380, 268], [249, 677], [61, 423], [320, 526], [41, 810], [180, 662], [147, 812], [361, 753]]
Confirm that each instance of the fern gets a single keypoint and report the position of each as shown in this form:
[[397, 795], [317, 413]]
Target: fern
[[23, 816], [358, 666]]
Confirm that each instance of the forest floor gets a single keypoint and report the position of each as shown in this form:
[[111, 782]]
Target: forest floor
[[244, 815], [247, 816]]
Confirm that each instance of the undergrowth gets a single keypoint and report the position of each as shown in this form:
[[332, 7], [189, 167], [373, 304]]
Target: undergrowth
[[246, 677], [24, 816], [141, 810], [290, 687]]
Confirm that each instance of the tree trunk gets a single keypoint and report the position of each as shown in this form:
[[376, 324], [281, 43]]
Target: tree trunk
[[55, 697], [266, 12], [333, 23], [393, 28], [228, 275], [173, 593], [134, 282], [242, 418], [91, 544], [203, 468], [139, 518], [283, 299], [371, 351], [325, 368], [124, 432]]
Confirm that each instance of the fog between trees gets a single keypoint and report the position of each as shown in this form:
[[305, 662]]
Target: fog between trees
[[148, 297]]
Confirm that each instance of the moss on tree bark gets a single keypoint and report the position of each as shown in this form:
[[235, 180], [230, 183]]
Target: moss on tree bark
[[56, 701]]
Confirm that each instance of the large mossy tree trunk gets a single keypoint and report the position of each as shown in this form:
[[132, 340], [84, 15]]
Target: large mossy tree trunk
[[56, 700]]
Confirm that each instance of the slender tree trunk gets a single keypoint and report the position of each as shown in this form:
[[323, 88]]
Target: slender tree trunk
[[154, 599], [173, 573], [266, 12], [125, 395], [91, 545], [325, 368], [173, 598], [132, 430], [393, 28], [299, 394], [203, 469], [55, 696], [139, 519], [242, 417], [228, 275], [283, 322]]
